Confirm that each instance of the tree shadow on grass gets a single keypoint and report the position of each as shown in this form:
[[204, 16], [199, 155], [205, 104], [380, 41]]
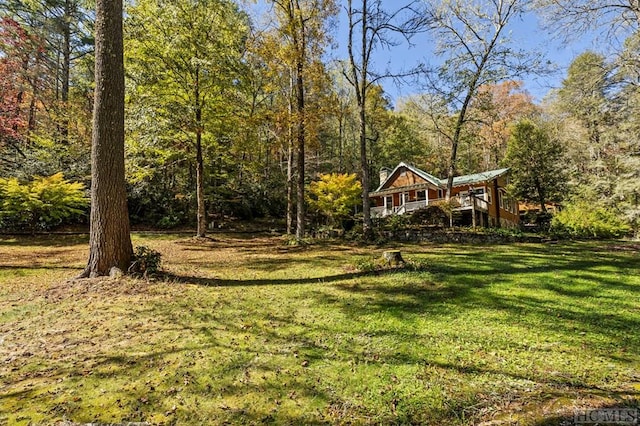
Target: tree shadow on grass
[[460, 285], [225, 282], [43, 240], [467, 281], [38, 267], [256, 244]]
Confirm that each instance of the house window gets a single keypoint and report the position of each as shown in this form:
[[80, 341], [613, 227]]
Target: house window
[[489, 195], [501, 199], [421, 195], [478, 192], [440, 194], [388, 202]]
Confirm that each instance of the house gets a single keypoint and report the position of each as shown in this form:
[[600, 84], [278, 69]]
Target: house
[[407, 188]]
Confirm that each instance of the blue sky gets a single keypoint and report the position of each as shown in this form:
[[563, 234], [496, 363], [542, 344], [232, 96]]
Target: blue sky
[[525, 33]]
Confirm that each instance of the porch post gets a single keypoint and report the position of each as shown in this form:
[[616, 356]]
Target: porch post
[[472, 196]]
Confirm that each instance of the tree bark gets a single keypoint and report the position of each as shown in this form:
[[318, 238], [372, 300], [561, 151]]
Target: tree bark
[[290, 209], [110, 240], [300, 213], [458, 131], [202, 211], [360, 84], [290, 160], [541, 196], [300, 42], [66, 71], [367, 228]]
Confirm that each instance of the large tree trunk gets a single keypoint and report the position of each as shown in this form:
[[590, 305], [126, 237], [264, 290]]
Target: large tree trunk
[[364, 169], [300, 41], [110, 241], [359, 81], [300, 213], [202, 211], [66, 72], [290, 160], [367, 228]]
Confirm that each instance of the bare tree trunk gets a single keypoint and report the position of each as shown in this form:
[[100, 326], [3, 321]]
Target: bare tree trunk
[[202, 211], [300, 42], [300, 213], [63, 125], [110, 241], [290, 209], [35, 93], [456, 138], [364, 169], [290, 160], [541, 196], [359, 80], [341, 143]]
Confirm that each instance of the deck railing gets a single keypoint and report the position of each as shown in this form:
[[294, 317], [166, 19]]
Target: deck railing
[[380, 212], [414, 205], [463, 201]]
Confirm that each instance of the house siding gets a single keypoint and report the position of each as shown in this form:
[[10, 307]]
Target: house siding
[[406, 178]]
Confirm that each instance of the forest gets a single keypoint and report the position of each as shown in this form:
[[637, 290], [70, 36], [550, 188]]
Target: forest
[[236, 110]]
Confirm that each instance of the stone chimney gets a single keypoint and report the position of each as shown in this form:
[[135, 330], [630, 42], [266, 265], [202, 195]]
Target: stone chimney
[[384, 174]]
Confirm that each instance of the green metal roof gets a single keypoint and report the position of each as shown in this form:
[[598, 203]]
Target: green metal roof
[[476, 178], [442, 183]]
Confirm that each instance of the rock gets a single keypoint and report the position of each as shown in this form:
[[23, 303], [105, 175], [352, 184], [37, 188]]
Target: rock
[[115, 273]]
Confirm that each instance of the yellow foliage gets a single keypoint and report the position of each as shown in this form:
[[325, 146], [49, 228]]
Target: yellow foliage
[[335, 195]]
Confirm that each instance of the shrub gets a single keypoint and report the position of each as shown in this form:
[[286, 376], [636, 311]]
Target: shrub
[[43, 203], [334, 196], [145, 261], [433, 215], [396, 222], [356, 233], [537, 221], [170, 221], [588, 220], [502, 232], [292, 240]]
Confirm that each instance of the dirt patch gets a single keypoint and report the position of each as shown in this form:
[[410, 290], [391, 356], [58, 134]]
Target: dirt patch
[[105, 286], [625, 247], [197, 241]]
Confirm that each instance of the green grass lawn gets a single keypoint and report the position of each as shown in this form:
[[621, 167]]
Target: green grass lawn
[[247, 330]]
